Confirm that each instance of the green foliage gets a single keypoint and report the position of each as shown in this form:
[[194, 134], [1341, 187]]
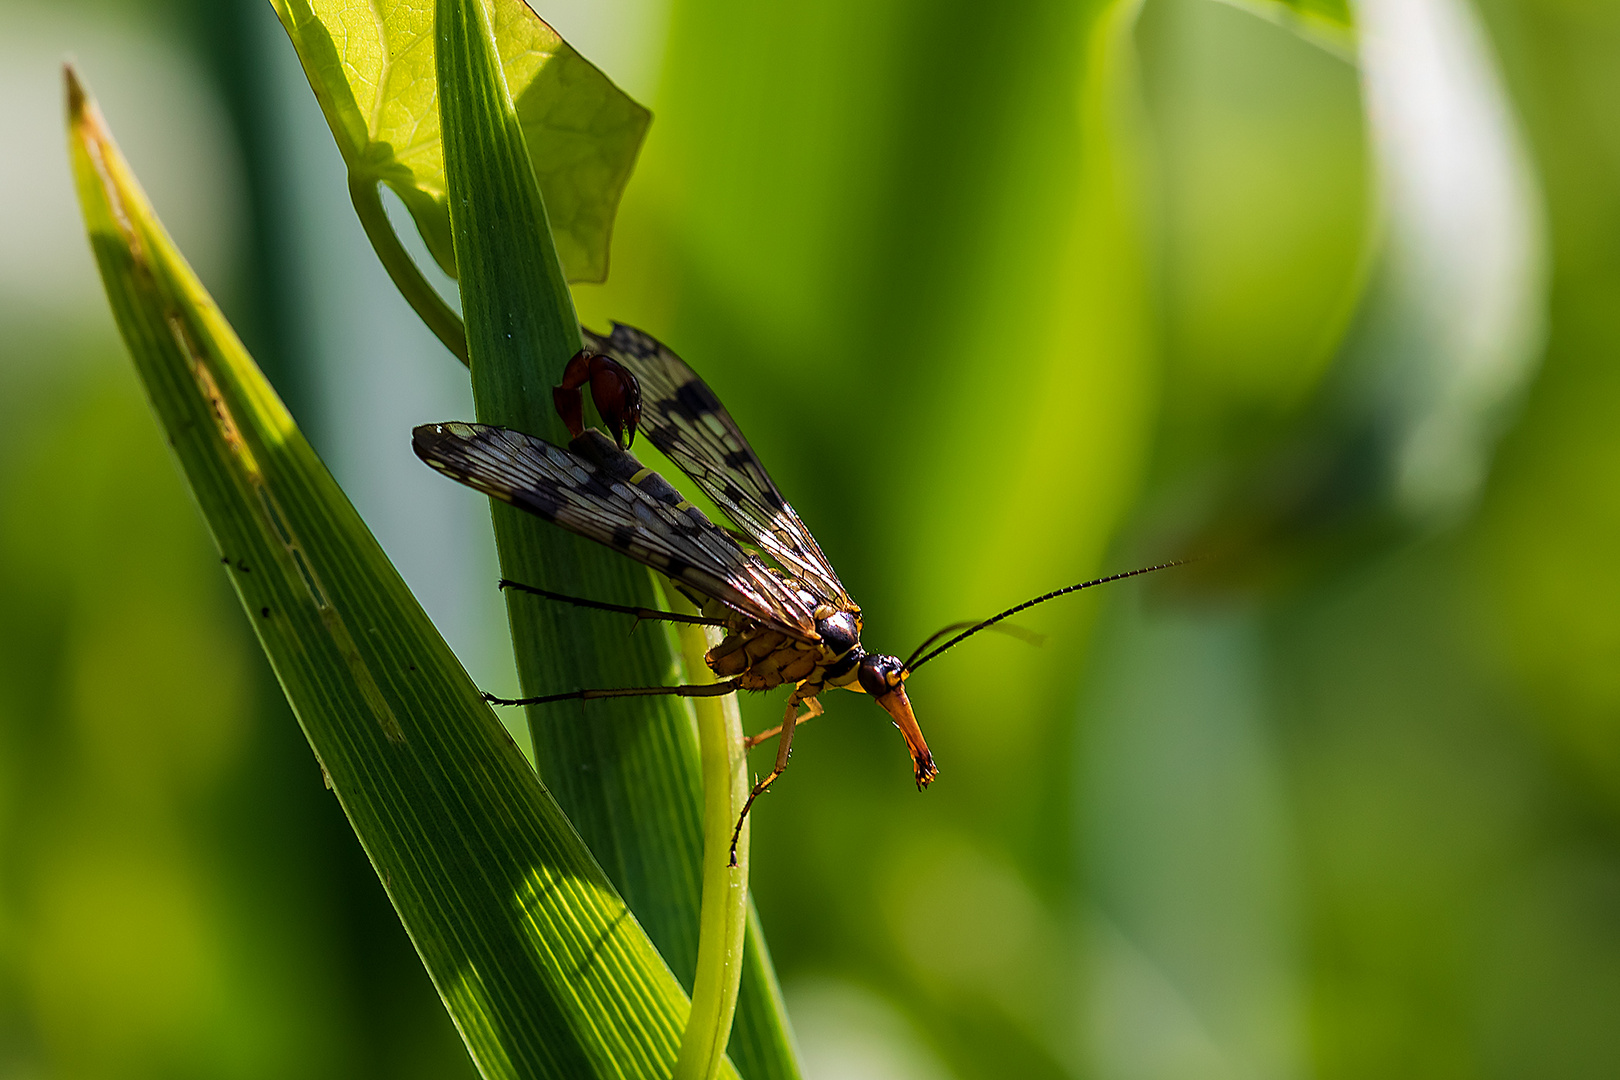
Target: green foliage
[[537, 959], [1329, 23], [374, 75], [521, 330], [1349, 812], [722, 943]]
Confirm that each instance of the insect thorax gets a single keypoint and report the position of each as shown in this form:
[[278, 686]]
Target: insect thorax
[[766, 658]]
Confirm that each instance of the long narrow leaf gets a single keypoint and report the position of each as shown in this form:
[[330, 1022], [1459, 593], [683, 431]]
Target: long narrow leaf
[[626, 771], [540, 964]]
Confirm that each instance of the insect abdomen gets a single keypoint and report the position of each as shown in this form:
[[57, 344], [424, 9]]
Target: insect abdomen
[[623, 467]]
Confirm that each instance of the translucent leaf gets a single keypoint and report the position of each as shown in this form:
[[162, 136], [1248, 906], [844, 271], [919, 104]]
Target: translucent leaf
[[372, 69]]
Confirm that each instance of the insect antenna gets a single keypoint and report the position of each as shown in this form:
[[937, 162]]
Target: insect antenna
[[1028, 637], [1053, 595]]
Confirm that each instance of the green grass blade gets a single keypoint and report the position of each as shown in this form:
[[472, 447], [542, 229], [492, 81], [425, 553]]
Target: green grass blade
[[542, 967], [372, 69], [625, 771]]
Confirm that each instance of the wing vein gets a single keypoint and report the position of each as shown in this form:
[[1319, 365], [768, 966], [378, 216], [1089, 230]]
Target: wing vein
[[596, 500], [683, 418]]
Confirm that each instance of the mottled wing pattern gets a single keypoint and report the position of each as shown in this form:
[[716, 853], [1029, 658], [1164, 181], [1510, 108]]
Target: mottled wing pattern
[[683, 418], [637, 514]]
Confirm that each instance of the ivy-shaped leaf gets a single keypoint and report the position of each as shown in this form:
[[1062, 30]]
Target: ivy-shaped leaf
[[371, 65]]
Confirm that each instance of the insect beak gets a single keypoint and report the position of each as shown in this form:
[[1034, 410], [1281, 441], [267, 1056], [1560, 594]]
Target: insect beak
[[898, 707]]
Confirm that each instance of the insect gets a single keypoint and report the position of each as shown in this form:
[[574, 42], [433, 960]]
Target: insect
[[786, 616]]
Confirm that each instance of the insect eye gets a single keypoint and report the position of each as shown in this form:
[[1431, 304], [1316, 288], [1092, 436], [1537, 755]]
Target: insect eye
[[870, 678], [880, 675]]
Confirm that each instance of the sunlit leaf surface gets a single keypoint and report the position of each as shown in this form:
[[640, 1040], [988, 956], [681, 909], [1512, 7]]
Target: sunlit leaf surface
[[544, 970], [372, 68], [625, 770], [1364, 825]]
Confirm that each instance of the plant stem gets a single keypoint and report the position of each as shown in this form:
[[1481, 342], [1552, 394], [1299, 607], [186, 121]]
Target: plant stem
[[724, 917], [366, 195]]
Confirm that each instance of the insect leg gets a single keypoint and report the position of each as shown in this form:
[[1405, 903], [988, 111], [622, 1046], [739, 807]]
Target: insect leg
[[602, 605], [783, 749], [812, 709], [718, 689]]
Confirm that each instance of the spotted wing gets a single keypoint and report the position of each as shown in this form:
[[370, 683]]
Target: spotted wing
[[614, 501], [683, 418]]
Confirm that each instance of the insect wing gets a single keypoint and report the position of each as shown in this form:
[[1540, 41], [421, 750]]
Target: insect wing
[[686, 421], [672, 537]]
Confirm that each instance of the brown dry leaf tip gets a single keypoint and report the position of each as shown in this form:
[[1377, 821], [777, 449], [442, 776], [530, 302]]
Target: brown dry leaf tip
[[91, 129], [75, 91], [82, 110]]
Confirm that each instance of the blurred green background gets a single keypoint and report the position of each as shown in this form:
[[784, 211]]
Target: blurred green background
[[1005, 299]]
